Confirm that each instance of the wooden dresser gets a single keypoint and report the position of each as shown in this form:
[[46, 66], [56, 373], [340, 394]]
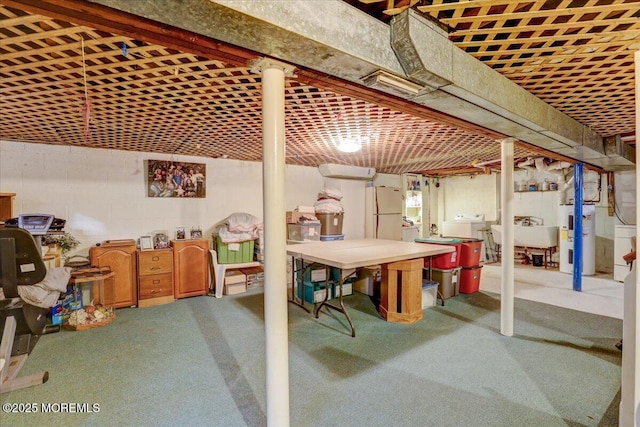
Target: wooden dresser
[[121, 257], [155, 277], [6, 207], [190, 267]]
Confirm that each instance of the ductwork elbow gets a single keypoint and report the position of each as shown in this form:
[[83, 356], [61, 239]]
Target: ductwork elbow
[[526, 164], [558, 166]]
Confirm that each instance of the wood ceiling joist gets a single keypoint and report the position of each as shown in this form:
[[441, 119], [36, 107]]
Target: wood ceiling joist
[[439, 5], [520, 53], [538, 28], [114, 56], [559, 70], [591, 57], [458, 7], [129, 79], [117, 22], [528, 42]]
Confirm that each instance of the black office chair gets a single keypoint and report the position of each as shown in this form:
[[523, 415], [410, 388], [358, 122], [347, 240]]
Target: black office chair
[[21, 324]]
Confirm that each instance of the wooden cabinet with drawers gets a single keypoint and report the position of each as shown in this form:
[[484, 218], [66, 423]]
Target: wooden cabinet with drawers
[[155, 277], [121, 258], [190, 267]]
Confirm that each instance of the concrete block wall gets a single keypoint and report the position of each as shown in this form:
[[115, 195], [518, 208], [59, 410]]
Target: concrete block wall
[[103, 195]]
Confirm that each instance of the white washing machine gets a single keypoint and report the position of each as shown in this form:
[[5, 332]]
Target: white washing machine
[[566, 223], [469, 226], [410, 234]]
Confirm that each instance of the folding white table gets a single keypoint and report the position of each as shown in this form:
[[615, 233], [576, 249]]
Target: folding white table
[[349, 254]]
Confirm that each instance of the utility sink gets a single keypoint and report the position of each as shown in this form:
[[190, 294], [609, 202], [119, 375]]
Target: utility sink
[[534, 236]]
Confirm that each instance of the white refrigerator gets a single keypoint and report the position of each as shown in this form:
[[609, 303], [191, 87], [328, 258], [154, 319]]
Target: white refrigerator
[[383, 213]]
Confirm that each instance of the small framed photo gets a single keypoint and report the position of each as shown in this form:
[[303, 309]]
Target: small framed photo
[[146, 243], [180, 234], [160, 241], [196, 233]]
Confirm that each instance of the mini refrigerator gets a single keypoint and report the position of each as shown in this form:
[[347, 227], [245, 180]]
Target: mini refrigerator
[[383, 213]]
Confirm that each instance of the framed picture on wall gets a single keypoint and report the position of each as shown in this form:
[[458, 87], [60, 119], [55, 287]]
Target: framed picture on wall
[[169, 178]]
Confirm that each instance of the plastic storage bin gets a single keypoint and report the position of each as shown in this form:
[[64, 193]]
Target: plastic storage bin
[[304, 232], [347, 288], [234, 253], [443, 261], [331, 223], [429, 294], [314, 273], [470, 279], [314, 292], [470, 252], [448, 281], [446, 261], [331, 237]]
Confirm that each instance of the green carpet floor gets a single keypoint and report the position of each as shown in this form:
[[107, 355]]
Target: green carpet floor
[[200, 362]]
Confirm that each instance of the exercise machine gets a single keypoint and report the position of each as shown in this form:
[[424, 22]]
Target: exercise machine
[[21, 324]]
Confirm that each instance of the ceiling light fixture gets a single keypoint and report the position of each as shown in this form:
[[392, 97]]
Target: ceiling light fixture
[[391, 83], [349, 145]]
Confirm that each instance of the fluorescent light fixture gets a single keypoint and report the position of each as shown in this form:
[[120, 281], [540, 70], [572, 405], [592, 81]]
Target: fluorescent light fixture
[[389, 82]]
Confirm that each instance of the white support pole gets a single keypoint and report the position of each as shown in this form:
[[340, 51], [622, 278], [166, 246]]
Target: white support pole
[[275, 259], [630, 390], [506, 219]]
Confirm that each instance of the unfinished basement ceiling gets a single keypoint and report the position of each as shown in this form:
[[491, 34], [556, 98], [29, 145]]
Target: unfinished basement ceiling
[[69, 84]]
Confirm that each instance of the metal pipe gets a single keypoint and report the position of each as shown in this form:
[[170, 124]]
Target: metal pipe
[[577, 228]]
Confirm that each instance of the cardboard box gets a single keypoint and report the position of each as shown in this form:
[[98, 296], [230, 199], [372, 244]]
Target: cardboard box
[[235, 282], [232, 277], [294, 216], [253, 273], [255, 277], [255, 284], [366, 281], [235, 288]]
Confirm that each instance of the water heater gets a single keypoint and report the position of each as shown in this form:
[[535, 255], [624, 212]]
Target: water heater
[[567, 224]]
